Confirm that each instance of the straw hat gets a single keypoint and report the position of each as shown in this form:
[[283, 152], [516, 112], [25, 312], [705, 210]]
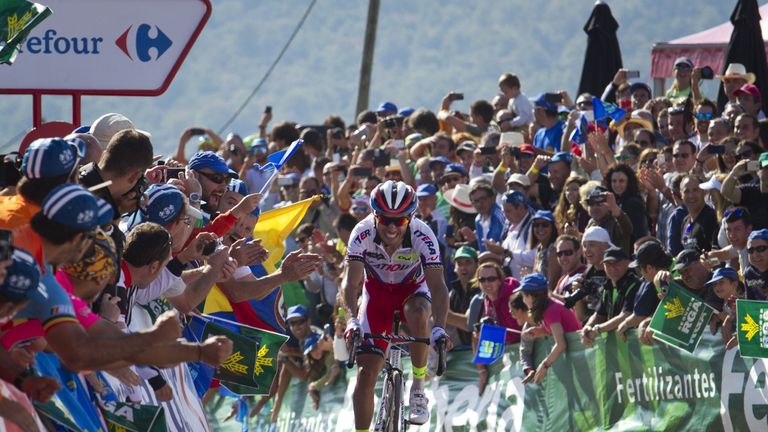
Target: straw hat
[[459, 197], [737, 70]]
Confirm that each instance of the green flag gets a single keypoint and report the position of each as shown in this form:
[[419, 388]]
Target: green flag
[[252, 366], [127, 417], [17, 19], [752, 328], [266, 358], [239, 366], [681, 317], [55, 412]]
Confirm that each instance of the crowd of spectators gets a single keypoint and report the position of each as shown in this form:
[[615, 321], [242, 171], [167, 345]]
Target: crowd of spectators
[[541, 231]]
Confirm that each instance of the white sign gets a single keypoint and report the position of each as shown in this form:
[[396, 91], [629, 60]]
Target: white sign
[[123, 47]]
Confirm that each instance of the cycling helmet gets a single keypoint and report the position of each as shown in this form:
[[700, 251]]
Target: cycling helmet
[[393, 199]]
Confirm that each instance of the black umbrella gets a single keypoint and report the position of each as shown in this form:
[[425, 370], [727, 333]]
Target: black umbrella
[[747, 47], [603, 57]]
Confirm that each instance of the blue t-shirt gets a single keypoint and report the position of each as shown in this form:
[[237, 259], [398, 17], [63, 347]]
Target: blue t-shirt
[[49, 303], [546, 138], [646, 300]]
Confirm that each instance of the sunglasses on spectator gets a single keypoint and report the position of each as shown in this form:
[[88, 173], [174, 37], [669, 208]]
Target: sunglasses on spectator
[[488, 279], [681, 155], [362, 209], [744, 155], [683, 67], [704, 116], [396, 221], [758, 249], [566, 252], [217, 178]]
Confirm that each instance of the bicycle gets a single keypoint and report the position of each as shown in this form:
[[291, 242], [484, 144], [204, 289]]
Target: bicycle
[[390, 416]]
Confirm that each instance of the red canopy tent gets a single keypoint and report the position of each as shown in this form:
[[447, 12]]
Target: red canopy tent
[[704, 48]]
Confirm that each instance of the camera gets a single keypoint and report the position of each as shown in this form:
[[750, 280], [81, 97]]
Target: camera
[[389, 122], [337, 133], [707, 73]]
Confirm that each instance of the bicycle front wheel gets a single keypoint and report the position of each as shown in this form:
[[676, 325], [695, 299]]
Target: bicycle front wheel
[[396, 418]]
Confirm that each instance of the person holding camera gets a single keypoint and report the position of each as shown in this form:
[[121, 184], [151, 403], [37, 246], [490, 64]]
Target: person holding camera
[[583, 296], [754, 194], [605, 212]]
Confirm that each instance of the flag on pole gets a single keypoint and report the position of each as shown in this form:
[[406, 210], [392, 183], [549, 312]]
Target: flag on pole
[[17, 19], [581, 131], [606, 110], [279, 158], [752, 328], [681, 317], [490, 346]]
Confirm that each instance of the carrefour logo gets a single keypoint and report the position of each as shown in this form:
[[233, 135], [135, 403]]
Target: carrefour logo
[[143, 43]]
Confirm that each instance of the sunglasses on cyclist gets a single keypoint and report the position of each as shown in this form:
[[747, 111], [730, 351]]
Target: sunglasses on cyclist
[[396, 221], [488, 279], [758, 249]]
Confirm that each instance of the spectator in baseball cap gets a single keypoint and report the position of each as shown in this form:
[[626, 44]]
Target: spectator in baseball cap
[[21, 278], [107, 126], [548, 137], [214, 175], [750, 98], [47, 163], [681, 87]]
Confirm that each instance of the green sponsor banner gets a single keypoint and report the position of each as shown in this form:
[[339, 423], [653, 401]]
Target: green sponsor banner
[[752, 328], [123, 417], [17, 19], [681, 317], [614, 386]]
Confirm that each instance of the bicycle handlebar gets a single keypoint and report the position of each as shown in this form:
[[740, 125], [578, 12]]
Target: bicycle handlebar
[[353, 350], [397, 339]]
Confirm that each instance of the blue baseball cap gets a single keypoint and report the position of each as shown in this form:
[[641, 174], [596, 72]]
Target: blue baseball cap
[[533, 282], [22, 277], [514, 198], [74, 206], [51, 157], [439, 159], [311, 342], [454, 168], [212, 161], [544, 214], [427, 189], [238, 186], [387, 107], [724, 273], [296, 311], [562, 157], [761, 234], [164, 203], [542, 102], [406, 111]]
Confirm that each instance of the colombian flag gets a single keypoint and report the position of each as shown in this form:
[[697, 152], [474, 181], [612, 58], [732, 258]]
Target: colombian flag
[[272, 228]]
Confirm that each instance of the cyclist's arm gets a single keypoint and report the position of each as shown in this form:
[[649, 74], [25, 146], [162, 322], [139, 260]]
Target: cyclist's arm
[[439, 292], [351, 285]]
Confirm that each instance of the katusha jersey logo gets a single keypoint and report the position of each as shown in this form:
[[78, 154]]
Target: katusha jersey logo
[[143, 43]]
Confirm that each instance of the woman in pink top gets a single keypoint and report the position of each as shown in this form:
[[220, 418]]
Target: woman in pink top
[[496, 292], [550, 314]]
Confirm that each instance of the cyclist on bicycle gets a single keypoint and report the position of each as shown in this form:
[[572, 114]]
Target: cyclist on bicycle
[[396, 260]]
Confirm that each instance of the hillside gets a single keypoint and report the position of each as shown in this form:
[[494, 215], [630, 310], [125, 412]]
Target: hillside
[[423, 50]]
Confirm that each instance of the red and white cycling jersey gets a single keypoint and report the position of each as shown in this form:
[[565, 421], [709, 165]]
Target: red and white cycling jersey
[[418, 251]]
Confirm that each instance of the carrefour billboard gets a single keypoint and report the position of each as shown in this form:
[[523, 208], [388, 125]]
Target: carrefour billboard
[[107, 47]]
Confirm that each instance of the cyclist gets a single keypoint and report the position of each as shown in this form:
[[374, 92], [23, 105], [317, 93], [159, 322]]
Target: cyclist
[[396, 260]]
